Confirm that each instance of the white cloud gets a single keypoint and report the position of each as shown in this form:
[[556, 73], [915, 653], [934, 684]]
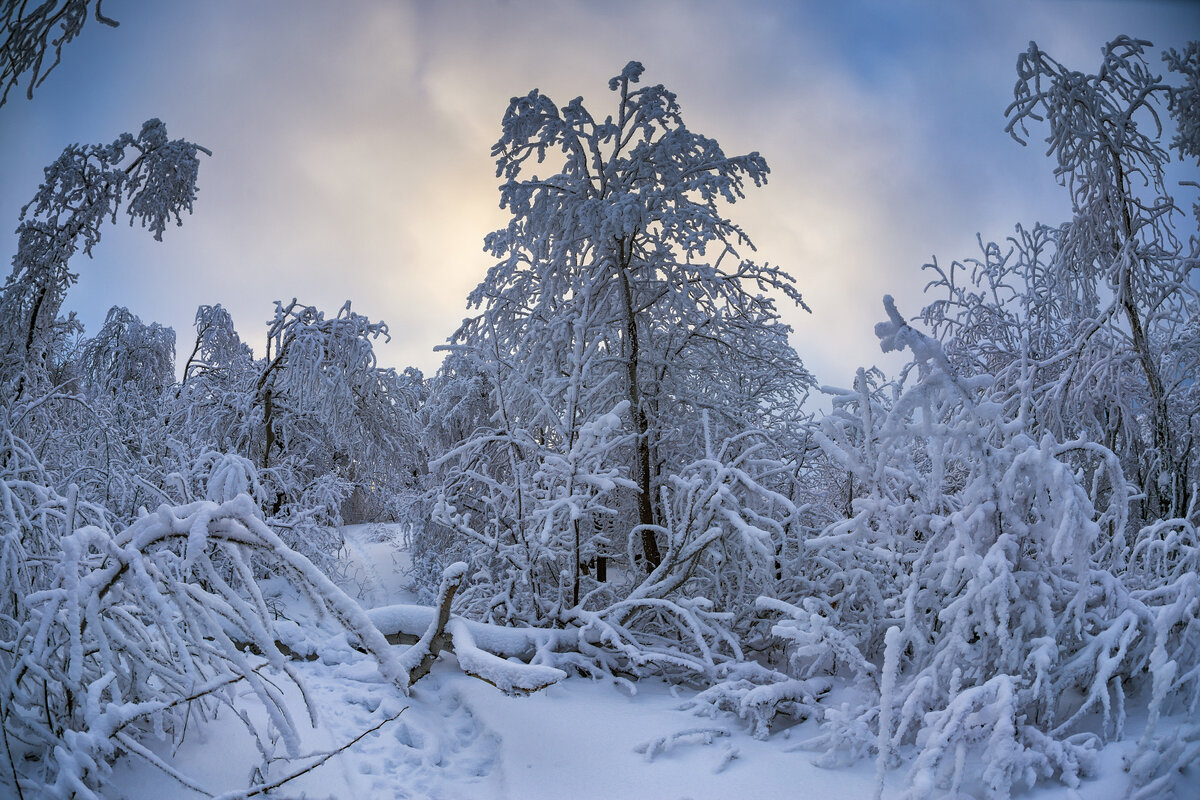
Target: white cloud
[[351, 142]]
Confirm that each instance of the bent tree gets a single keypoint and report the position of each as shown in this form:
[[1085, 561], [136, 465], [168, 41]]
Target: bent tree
[[149, 177]]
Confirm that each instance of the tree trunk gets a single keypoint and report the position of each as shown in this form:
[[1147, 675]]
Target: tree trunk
[[1167, 501], [638, 412], [268, 425], [578, 568]]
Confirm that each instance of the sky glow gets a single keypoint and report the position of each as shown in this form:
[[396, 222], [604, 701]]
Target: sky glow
[[351, 143]]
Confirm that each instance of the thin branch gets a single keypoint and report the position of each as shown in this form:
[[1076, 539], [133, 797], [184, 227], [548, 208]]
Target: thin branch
[[242, 794]]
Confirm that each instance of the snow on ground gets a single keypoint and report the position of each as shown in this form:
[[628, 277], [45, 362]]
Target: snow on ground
[[376, 563], [459, 738]]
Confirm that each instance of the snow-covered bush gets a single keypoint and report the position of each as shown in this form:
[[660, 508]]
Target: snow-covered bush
[[535, 521], [980, 592], [719, 540], [117, 637]]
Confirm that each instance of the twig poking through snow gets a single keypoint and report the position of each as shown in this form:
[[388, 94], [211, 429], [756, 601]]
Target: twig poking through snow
[[655, 747], [241, 794]]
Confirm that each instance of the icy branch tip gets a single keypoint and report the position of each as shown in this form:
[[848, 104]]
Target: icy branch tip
[[890, 305], [888, 332]]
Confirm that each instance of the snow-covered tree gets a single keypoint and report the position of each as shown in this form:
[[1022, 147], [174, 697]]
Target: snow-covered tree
[[1099, 310], [323, 420], [623, 250], [149, 177], [129, 361], [208, 406], [29, 29], [623, 344]]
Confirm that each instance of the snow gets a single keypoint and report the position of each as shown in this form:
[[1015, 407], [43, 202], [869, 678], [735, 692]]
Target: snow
[[459, 738]]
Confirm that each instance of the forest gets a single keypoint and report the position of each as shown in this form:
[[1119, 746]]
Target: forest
[[970, 574]]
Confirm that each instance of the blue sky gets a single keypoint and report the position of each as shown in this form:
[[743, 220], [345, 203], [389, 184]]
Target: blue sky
[[351, 142]]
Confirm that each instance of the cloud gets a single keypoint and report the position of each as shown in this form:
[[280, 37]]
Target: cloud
[[351, 142]]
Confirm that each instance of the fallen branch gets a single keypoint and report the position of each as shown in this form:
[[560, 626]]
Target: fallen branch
[[131, 745], [443, 632], [510, 677], [418, 659], [406, 624]]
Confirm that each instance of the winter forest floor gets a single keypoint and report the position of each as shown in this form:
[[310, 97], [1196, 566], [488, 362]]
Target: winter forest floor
[[458, 737]]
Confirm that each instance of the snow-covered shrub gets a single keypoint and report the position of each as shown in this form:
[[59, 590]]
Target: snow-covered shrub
[[681, 639], [533, 522], [759, 695], [1164, 574], [993, 620], [721, 533], [117, 637]]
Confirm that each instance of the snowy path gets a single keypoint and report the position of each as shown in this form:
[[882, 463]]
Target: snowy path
[[375, 567]]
